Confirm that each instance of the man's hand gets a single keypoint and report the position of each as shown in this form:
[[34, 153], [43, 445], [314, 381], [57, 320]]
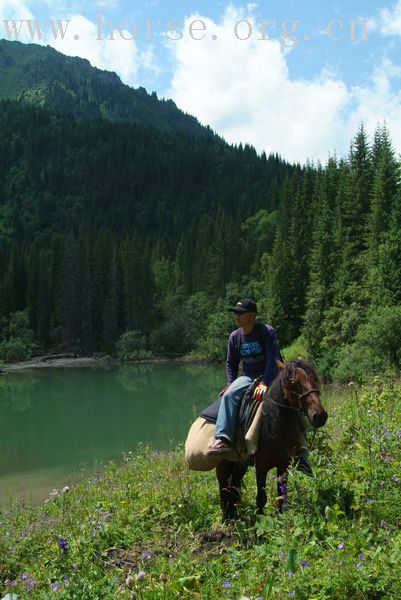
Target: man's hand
[[259, 392], [223, 391]]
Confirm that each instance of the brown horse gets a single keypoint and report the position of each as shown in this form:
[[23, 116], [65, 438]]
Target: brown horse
[[294, 392]]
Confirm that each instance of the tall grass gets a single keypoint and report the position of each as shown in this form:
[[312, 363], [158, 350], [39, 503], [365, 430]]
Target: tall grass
[[151, 529]]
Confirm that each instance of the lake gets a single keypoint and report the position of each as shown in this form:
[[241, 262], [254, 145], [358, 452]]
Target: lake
[[55, 421]]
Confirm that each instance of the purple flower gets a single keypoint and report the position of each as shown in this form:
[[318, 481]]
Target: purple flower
[[141, 575], [292, 593], [398, 433], [395, 478], [289, 573], [31, 584], [304, 563], [63, 544], [361, 556], [374, 438], [147, 554], [340, 546], [54, 585], [65, 579], [282, 554], [226, 584]]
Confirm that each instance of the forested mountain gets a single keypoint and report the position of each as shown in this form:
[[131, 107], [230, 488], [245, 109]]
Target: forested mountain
[[128, 236], [44, 77], [103, 225]]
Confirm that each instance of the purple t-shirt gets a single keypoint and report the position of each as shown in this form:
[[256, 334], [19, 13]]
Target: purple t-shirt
[[257, 361]]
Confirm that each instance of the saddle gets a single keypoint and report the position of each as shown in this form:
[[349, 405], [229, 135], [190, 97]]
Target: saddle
[[201, 434], [246, 412]]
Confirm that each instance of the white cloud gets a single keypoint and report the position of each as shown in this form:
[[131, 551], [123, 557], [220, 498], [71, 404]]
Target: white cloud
[[243, 90], [14, 9], [390, 20], [120, 55]]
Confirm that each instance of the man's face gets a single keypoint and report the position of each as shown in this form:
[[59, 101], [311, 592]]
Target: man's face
[[244, 319]]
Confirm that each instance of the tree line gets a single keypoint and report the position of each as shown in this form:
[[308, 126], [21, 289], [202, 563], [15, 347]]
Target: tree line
[[108, 228]]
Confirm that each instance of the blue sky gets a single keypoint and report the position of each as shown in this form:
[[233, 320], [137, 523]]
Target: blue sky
[[237, 70]]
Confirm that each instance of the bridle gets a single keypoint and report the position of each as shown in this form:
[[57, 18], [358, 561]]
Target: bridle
[[300, 397]]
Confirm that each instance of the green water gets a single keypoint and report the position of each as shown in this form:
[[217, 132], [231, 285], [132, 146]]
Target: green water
[[54, 422]]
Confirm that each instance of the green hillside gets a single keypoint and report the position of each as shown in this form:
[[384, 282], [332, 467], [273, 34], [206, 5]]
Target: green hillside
[[109, 227], [47, 78]]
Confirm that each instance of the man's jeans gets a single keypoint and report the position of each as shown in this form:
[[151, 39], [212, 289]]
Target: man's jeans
[[230, 401]]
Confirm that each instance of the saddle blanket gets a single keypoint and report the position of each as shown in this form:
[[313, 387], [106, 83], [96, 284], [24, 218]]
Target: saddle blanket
[[201, 435]]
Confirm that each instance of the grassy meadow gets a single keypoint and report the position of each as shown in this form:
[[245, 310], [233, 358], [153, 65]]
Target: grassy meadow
[[149, 528]]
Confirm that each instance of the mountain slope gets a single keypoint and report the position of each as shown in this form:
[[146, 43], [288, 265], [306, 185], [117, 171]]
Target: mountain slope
[[45, 77]]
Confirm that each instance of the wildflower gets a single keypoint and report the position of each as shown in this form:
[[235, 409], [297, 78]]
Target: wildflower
[[65, 579], [398, 433], [361, 556], [374, 437], [141, 575], [340, 562], [289, 573], [304, 563], [31, 584], [128, 581], [395, 478], [292, 593], [282, 554], [147, 555], [63, 544], [340, 546], [54, 585], [226, 584]]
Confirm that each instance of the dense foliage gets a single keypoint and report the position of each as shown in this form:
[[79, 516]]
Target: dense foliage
[[106, 227], [152, 528], [109, 226]]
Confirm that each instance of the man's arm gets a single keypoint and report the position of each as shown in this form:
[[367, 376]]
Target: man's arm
[[272, 354], [232, 361]]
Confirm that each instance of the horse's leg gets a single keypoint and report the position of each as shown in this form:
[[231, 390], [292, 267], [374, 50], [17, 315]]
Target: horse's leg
[[262, 468], [229, 475], [282, 476], [223, 472]]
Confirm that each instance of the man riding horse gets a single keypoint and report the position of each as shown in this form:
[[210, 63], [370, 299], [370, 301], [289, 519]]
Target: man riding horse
[[255, 344]]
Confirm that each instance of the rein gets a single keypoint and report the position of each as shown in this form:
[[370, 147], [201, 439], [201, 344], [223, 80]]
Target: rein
[[300, 398]]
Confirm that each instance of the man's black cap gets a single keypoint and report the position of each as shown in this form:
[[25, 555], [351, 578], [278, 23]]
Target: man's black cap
[[244, 305]]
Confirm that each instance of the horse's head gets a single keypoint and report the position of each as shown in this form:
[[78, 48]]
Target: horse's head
[[300, 386]]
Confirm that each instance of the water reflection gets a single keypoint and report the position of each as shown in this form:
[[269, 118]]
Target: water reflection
[[59, 419]]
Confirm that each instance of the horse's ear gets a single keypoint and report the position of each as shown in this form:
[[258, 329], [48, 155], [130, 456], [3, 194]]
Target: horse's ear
[[279, 363]]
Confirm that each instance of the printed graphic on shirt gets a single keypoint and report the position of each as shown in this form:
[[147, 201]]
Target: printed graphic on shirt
[[250, 349]]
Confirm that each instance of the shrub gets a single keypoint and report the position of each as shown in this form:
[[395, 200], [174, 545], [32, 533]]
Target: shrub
[[297, 348], [377, 347], [18, 339], [132, 346], [15, 349]]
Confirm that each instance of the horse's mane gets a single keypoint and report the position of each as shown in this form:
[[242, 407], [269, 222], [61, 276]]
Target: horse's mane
[[276, 418]]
